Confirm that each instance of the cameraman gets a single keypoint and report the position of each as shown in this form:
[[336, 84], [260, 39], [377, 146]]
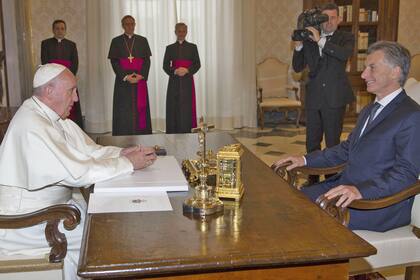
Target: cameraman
[[328, 89]]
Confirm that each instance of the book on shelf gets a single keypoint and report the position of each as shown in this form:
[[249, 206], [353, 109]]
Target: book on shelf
[[374, 16], [345, 13], [363, 40], [349, 9], [363, 15], [361, 58], [368, 15], [341, 13]]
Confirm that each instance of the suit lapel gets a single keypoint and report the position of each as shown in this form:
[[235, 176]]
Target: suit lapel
[[361, 122], [385, 112]]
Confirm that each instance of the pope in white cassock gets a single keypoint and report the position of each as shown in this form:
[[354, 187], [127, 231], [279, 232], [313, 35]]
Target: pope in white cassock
[[44, 148]]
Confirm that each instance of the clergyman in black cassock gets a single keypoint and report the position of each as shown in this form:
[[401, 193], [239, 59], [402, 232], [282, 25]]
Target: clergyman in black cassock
[[130, 59], [62, 51], [181, 62]]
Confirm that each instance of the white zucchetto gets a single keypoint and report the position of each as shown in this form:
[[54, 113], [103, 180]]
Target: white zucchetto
[[46, 73]]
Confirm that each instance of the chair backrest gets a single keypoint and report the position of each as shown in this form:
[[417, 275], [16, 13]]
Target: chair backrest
[[415, 67], [412, 88], [272, 77]]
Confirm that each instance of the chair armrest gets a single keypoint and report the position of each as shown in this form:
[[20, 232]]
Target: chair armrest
[[291, 175], [365, 204], [295, 90], [70, 215], [343, 215]]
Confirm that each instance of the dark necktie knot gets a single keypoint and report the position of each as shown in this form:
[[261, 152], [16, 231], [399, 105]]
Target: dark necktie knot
[[372, 113]]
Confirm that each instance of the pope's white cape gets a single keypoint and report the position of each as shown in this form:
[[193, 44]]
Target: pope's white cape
[[39, 142]]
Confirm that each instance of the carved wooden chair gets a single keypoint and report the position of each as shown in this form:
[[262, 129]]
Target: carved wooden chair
[[51, 267], [272, 90], [399, 247]]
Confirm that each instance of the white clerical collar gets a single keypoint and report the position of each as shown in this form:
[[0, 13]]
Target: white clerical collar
[[129, 36], [387, 99], [51, 114], [59, 40], [180, 42]]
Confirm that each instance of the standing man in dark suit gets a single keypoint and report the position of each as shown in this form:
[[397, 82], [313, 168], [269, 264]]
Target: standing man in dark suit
[[181, 62], [328, 90], [382, 154], [63, 51]]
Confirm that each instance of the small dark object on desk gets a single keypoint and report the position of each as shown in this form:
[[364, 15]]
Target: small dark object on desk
[[160, 151]]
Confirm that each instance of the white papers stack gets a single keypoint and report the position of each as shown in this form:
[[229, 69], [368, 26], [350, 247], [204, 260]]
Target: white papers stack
[[142, 190], [128, 202], [164, 175]]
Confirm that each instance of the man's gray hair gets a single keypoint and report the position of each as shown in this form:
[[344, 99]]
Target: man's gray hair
[[395, 54]]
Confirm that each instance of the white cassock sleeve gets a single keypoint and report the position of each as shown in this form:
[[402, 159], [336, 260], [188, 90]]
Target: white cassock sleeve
[[42, 154]]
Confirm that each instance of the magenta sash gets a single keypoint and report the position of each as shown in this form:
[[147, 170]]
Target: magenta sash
[[63, 62], [137, 64], [67, 63], [187, 63]]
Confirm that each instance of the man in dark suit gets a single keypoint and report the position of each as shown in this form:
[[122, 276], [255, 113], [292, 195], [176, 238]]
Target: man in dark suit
[[328, 90], [382, 154]]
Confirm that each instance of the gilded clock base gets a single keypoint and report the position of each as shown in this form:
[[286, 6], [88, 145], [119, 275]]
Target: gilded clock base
[[230, 193]]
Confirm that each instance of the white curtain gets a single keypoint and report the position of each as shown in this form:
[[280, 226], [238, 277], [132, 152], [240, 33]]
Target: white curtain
[[224, 31]]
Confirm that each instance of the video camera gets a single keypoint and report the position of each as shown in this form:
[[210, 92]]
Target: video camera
[[311, 17]]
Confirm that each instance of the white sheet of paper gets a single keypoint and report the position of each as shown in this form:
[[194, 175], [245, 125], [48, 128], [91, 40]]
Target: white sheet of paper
[[129, 202], [164, 175]]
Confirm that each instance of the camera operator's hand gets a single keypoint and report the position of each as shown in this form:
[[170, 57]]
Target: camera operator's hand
[[315, 34]]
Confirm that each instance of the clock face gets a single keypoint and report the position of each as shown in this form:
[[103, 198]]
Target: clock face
[[227, 173]]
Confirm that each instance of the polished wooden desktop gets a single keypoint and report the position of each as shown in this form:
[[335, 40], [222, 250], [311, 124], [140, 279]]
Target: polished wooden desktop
[[274, 233]]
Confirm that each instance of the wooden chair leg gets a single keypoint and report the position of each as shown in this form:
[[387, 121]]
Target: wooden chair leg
[[412, 273], [298, 118]]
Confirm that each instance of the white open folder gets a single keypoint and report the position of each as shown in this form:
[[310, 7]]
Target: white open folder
[[142, 190]]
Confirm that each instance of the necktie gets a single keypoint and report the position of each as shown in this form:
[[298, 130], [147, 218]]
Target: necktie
[[371, 117], [372, 113], [328, 37]]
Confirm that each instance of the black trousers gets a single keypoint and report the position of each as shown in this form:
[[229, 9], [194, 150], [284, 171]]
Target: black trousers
[[325, 121]]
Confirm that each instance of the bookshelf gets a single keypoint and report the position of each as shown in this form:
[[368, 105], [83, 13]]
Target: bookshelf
[[369, 21]]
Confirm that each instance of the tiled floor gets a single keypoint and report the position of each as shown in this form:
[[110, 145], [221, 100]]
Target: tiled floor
[[276, 141]]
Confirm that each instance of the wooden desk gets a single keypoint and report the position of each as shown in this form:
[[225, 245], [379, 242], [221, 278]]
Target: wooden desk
[[275, 233]]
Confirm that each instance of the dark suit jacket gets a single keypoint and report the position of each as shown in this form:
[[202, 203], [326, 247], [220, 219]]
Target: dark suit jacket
[[328, 84], [67, 50], [382, 162]]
